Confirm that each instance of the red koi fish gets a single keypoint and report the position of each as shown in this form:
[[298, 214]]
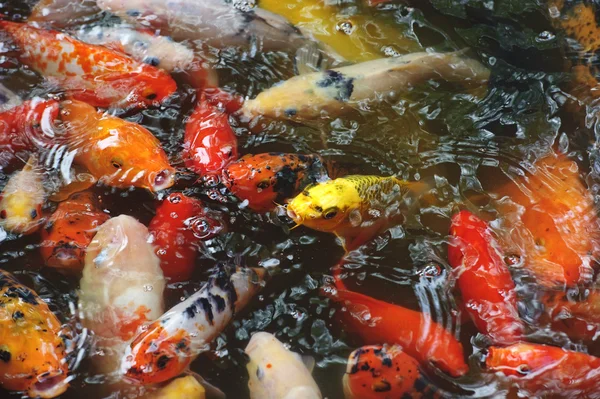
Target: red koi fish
[[542, 369], [21, 128], [97, 75], [32, 351], [376, 322], [265, 180], [181, 221], [70, 230], [487, 288], [385, 372], [209, 142]]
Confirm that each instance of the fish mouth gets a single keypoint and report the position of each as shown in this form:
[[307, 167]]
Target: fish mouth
[[162, 180], [49, 385]]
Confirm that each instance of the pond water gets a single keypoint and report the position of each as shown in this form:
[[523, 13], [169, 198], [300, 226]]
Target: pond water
[[467, 144]]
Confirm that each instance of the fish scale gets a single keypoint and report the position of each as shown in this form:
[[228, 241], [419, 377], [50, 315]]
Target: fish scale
[[373, 188]]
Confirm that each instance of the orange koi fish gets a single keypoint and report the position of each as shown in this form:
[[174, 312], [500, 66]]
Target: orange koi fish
[[385, 372], [487, 288], [558, 231], [21, 200], [94, 74], [265, 180], [209, 142], [169, 344], [180, 222], [376, 322], [116, 152], [70, 230], [540, 369], [32, 351], [578, 319]]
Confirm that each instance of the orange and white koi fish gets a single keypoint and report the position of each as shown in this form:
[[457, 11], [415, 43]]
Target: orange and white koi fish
[[32, 350], [385, 372], [69, 231], [22, 199], [116, 152], [168, 346], [94, 74], [121, 288], [275, 372]]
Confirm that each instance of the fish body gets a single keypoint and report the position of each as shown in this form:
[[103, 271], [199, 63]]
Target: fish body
[[94, 74], [180, 222], [579, 319], [169, 344], [181, 388], [8, 99], [265, 180], [355, 208], [21, 200], [209, 141], [275, 372], [121, 287], [558, 230], [69, 231], [32, 350], [385, 372], [62, 13], [212, 22], [542, 369], [116, 152], [376, 323], [485, 283], [330, 93]]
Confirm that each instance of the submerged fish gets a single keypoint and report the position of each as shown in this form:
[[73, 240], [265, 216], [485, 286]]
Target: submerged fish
[[275, 372], [180, 222], [121, 288], [385, 372], [355, 208], [69, 231], [32, 350], [116, 152], [541, 369], [94, 74], [169, 344], [265, 180], [485, 283], [8, 99], [579, 319], [181, 388], [61, 13], [330, 93], [21, 200]]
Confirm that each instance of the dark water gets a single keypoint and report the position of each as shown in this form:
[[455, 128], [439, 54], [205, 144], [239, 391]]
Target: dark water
[[468, 144]]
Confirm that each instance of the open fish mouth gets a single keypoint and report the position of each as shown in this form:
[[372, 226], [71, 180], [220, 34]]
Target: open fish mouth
[[162, 180], [49, 385]]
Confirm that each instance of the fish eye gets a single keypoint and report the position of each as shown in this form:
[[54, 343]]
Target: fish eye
[[116, 164], [330, 213], [523, 369], [263, 184], [151, 96]]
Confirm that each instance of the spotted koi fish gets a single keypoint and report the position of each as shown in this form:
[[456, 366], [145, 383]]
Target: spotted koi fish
[[32, 347], [94, 74], [169, 344]]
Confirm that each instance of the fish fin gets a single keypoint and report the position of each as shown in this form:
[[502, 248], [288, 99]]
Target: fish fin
[[308, 361], [309, 59], [32, 163]]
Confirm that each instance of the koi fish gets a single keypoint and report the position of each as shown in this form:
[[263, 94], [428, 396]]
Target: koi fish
[[355, 208], [69, 231], [376, 322], [61, 13], [116, 152], [487, 288], [265, 180], [32, 350], [275, 372], [335, 91], [8, 99], [22, 199], [180, 222], [158, 51], [209, 142], [94, 74], [578, 319], [180, 388], [169, 344], [546, 369], [22, 129], [121, 287], [385, 372], [558, 230], [212, 22]]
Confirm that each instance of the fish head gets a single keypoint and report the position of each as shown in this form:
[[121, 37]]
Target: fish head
[[377, 371], [18, 214], [155, 355], [149, 87], [326, 206], [523, 359]]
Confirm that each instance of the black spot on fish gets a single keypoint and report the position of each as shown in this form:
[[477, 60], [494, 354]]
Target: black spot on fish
[[49, 226], [207, 307], [420, 385], [365, 366], [134, 13], [33, 213], [182, 346], [162, 362], [4, 356], [154, 61], [285, 183], [23, 293], [190, 311], [290, 112], [18, 315], [386, 361], [337, 81], [382, 386], [219, 302], [3, 98]]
